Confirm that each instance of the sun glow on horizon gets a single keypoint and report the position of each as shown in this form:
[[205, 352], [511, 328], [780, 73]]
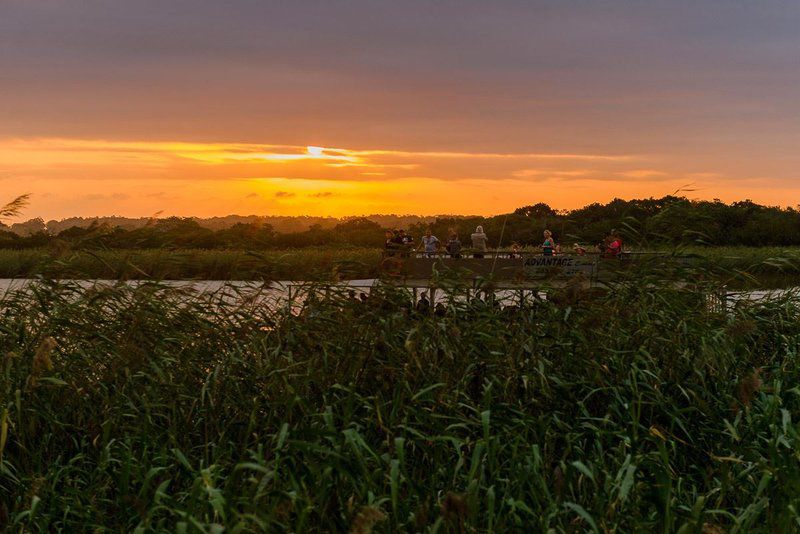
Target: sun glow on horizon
[[135, 177]]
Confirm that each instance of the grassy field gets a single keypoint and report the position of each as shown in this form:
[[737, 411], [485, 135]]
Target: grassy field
[[772, 267], [305, 264], [753, 260], [639, 409]]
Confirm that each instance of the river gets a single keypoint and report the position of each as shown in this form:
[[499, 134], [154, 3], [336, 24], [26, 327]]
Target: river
[[281, 292]]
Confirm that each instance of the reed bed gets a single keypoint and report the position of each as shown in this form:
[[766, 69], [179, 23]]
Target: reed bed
[[164, 264], [640, 407]]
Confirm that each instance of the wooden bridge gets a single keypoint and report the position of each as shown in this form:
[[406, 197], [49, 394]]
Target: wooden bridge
[[510, 270]]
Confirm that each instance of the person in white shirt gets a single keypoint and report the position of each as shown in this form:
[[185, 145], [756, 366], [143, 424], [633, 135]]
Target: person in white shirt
[[429, 243], [479, 245]]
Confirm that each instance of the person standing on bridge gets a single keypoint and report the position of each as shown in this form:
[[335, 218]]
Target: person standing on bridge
[[390, 247], [406, 242], [614, 246], [453, 245], [429, 243], [549, 244], [479, 245]]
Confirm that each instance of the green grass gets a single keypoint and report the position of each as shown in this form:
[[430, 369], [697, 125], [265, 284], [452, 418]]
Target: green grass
[[312, 264], [638, 409], [751, 266]]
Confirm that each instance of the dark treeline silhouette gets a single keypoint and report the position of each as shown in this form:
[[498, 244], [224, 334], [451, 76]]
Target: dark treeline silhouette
[[647, 222]]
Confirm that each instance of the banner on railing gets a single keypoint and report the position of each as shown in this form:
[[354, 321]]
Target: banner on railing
[[538, 266]]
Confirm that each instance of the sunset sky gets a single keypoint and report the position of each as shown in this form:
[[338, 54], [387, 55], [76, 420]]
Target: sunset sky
[[359, 107]]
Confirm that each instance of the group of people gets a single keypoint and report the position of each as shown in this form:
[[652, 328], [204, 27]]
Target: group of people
[[402, 243], [610, 247]]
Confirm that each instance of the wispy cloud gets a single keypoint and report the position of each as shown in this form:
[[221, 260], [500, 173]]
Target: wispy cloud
[[498, 155], [106, 196], [551, 173], [67, 159], [304, 170], [643, 173]]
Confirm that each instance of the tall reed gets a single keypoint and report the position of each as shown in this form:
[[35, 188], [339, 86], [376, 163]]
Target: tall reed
[[638, 407]]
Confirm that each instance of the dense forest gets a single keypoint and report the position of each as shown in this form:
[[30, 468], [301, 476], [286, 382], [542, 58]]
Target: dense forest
[[646, 222]]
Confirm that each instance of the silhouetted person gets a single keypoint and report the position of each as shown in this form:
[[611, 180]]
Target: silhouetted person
[[391, 245], [404, 242], [479, 243], [453, 246], [423, 305], [614, 246]]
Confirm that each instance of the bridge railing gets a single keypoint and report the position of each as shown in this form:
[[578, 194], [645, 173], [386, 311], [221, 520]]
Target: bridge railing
[[505, 254]]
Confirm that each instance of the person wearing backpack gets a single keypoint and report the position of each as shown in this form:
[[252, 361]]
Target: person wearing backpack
[[453, 246]]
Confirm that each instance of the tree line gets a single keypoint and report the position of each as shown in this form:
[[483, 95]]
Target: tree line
[[668, 220]]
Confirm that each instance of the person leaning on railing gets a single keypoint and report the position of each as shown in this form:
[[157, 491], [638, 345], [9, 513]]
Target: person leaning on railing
[[614, 245], [453, 246], [429, 243], [406, 242], [479, 243], [391, 245], [549, 244]]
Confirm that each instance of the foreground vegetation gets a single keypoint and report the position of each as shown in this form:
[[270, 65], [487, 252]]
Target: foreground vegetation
[[638, 408]]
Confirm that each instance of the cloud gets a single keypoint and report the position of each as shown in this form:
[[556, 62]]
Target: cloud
[[304, 169], [528, 173], [643, 173], [253, 195], [704, 175], [321, 194], [103, 196]]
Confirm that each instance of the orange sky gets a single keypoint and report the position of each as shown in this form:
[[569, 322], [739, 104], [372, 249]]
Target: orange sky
[[134, 178], [194, 108]]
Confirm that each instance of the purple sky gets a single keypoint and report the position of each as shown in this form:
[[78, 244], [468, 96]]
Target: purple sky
[[695, 88]]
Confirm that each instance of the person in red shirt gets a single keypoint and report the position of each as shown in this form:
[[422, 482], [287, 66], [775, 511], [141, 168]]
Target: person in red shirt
[[614, 246]]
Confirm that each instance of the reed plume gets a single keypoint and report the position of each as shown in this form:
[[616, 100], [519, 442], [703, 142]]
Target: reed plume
[[15, 207]]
